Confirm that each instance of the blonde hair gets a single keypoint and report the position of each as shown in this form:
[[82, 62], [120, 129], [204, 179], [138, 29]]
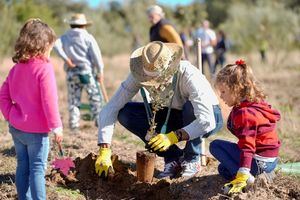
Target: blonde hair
[[34, 40], [241, 82]]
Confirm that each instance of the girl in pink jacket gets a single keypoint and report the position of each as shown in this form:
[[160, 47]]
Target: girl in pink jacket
[[29, 102]]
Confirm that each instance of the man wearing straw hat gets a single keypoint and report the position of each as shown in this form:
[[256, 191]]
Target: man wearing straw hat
[[83, 62], [183, 105]]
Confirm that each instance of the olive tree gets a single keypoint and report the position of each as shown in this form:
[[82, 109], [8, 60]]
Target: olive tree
[[267, 21]]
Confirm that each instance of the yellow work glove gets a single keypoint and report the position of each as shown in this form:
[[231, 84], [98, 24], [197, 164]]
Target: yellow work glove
[[103, 163], [162, 142], [239, 183]]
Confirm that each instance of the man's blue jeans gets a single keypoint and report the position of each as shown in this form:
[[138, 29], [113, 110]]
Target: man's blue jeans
[[228, 154], [32, 153], [134, 118], [208, 57]]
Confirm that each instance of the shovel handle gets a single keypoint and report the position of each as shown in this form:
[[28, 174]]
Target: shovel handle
[[61, 153]]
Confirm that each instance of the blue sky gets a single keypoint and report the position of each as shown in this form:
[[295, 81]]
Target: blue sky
[[95, 3]]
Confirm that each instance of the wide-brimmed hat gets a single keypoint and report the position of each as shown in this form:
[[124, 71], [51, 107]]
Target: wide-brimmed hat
[[78, 19], [154, 63]]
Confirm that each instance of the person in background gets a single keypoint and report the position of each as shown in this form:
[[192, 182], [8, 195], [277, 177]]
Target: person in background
[[161, 29], [263, 50], [220, 49], [29, 102], [208, 42], [253, 121], [187, 43], [84, 65], [176, 87]]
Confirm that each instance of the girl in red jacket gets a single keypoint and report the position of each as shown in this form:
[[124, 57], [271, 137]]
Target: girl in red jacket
[[252, 121]]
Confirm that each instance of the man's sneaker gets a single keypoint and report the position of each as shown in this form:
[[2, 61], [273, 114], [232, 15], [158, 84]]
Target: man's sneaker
[[171, 170], [190, 169]]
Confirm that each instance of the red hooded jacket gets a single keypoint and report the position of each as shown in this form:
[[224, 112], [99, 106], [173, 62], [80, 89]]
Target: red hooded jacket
[[254, 125]]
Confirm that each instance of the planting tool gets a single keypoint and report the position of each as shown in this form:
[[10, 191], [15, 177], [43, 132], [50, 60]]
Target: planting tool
[[85, 106], [103, 89], [199, 65], [63, 164]]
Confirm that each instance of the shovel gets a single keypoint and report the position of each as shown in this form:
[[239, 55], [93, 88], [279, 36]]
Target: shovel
[[63, 164]]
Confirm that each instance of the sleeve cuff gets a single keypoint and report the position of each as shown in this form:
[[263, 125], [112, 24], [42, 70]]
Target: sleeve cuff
[[246, 162], [57, 130], [244, 170], [105, 135]]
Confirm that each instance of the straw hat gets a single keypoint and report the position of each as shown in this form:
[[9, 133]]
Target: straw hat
[[78, 19], [154, 63]]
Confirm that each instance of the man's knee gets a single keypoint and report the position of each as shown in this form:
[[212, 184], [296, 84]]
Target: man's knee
[[123, 117], [214, 145]]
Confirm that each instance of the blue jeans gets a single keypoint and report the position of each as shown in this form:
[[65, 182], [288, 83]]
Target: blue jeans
[[134, 118], [208, 57], [32, 153], [220, 60], [228, 154]]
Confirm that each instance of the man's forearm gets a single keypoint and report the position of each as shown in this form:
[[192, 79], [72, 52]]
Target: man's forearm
[[182, 135]]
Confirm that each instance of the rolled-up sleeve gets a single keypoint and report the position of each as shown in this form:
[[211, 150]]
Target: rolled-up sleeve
[[200, 95], [58, 47], [109, 113], [96, 56]]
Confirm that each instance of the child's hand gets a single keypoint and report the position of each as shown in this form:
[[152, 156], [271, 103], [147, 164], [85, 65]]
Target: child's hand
[[242, 179], [58, 134], [58, 137]]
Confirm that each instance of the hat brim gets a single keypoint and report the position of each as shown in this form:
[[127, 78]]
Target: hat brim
[[136, 64], [88, 23]]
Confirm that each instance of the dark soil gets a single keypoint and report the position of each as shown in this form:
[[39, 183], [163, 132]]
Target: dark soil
[[123, 184]]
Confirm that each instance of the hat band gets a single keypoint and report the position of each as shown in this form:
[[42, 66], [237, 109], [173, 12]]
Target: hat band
[[152, 74], [78, 21], [158, 72]]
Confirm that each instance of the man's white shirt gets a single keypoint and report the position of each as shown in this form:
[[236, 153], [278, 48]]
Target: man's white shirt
[[191, 86]]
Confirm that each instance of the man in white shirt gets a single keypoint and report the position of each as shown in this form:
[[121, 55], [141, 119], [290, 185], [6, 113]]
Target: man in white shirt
[[208, 41], [83, 63], [175, 87]]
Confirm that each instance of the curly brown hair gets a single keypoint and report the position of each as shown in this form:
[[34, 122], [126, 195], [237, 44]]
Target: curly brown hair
[[34, 40], [241, 82]]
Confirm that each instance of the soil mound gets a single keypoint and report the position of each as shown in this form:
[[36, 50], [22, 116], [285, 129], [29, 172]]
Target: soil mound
[[123, 184]]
